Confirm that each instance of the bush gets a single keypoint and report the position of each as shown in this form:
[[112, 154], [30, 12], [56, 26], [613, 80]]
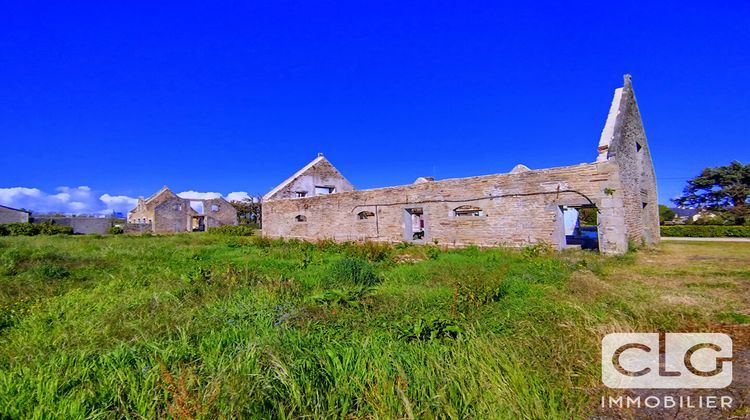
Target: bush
[[32, 229], [355, 271], [706, 231], [116, 230], [50, 228], [21, 229], [239, 230]]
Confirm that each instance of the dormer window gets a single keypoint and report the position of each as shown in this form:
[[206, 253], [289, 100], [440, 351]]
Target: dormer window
[[324, 190]]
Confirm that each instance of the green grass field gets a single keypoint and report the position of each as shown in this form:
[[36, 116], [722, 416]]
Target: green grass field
[[210, 325]]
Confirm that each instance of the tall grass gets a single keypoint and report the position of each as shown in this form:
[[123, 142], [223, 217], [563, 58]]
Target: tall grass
[[212, 325]]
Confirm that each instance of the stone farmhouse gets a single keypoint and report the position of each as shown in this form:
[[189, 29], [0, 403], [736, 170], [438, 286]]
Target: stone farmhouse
[[11, 215], [514, 209], [165, 212]]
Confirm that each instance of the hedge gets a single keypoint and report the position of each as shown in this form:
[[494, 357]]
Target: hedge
[[239, 230], [33, 229], [706, 231]]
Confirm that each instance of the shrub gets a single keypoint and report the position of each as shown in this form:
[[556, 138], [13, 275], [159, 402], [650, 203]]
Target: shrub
[[50, 228], [21, 229], [355, 271], [32, 229], [116, 230], [706, 231], [239, 230]]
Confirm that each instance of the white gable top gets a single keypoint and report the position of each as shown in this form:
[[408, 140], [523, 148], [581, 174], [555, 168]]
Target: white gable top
[[296, 175]]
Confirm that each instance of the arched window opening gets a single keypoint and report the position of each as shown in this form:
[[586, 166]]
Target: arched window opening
[[300, 218], [365, 215], [467, 211]]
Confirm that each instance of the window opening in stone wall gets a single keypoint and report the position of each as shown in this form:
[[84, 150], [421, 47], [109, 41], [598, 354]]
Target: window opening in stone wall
[[214, 207], [467, 211], [324, 190], [363, 215], [581, 227], [300, 194], [414, 224], [300, 218], [197, 206]]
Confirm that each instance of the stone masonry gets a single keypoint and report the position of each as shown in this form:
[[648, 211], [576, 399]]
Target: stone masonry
[[165, 212], [514, 209], [11, 215]]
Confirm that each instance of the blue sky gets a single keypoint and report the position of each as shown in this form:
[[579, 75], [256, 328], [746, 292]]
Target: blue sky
[[236, 96]]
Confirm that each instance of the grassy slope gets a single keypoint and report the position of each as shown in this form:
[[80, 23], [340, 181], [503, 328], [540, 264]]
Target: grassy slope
[[200, 325]]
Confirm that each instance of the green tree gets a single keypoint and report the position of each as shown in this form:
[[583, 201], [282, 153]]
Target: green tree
[[666, 214], [249, 211], [723, 188], [587, 216], [718, 188]]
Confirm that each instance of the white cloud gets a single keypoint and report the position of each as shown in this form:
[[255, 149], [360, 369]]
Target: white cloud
[[118, 201], [69, 200], [195, 195], [238, 196]]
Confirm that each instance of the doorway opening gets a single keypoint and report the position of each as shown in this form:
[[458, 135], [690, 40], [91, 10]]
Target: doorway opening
[[198, 223], [414, 224], [581, 227]]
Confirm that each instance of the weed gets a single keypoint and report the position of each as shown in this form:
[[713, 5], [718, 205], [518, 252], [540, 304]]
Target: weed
[[353, 271], [422, 329]]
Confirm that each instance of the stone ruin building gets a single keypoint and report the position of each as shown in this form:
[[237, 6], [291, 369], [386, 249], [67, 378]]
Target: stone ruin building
[[165, 212], [512, 209], [11, 215]]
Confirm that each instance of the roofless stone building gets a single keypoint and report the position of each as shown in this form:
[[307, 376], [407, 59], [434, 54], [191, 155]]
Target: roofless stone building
[[165, 212], [518, 208]]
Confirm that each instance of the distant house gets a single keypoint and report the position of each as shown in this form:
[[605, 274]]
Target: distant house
[[165, 212], [11, 215], [685, 215]]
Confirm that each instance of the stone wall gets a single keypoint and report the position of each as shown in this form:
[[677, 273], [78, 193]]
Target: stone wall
[[319, 172], [627, 147], [12, 216], [172, 215], [137, 228], [517, 209], [223, 214], [83, 224], [520, 208]]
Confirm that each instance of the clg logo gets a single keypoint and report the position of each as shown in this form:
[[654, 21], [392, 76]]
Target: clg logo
[[667, 360]]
